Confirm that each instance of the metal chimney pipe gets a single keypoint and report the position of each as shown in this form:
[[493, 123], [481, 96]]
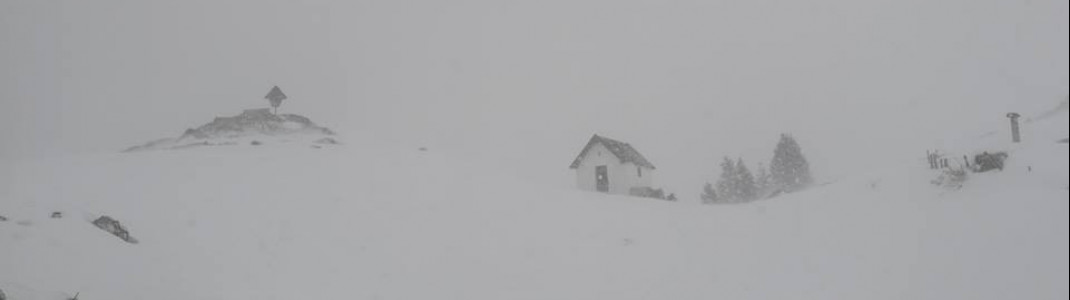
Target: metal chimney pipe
[[1016, 134]]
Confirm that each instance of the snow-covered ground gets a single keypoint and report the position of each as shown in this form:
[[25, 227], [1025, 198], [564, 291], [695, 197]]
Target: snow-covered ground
[[380, 220]]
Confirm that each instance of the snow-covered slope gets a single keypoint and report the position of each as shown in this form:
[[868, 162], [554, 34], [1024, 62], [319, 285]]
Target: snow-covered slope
[[370, 220]]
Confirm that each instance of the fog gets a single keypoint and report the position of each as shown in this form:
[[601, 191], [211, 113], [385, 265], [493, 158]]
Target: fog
[[528, 82]]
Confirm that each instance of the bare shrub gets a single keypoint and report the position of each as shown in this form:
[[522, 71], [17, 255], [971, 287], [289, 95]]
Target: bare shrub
[[952, 178]]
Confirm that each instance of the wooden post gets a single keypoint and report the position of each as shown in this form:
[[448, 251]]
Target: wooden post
[[929, 156]]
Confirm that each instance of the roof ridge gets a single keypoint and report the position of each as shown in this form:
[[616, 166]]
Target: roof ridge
[[623, 151]]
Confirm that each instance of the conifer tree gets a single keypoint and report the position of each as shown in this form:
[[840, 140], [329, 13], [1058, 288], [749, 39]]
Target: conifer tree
[[789, 169], [709, 195], [763, 181], [726, 186], [746, 188]]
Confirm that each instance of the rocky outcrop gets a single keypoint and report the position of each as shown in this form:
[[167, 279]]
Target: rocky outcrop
[[256, 122], [227, 131], [113, 226], [327, 141]]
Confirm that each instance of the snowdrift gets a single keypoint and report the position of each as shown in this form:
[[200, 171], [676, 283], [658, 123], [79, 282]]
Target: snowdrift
[[370, 221], [373, 220]]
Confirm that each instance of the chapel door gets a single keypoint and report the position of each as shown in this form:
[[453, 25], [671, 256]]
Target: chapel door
[[601, 176]]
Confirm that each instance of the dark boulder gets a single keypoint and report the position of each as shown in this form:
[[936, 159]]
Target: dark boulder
[[646, 192], [985, 162], [297, 119], [113, 226], [327, 141]]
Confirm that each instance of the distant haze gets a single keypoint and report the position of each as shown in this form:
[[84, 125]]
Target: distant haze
[[528, 82]]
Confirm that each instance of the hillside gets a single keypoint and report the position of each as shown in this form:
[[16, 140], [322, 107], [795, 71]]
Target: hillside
[[375, 220], [253, 126]]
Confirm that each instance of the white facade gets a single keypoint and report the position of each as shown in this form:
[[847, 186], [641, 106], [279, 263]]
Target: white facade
[[622, 177]]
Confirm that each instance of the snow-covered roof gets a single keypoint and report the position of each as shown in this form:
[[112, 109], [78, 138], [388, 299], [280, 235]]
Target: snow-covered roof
[[624, 151]]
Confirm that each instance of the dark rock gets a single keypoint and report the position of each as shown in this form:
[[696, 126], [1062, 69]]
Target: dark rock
[[647, 192], [256, 143], [985, 162], [1065, 141], [113, 226], [297, 119], [2, 296], [327, 141], [57, 215], [3, 219]]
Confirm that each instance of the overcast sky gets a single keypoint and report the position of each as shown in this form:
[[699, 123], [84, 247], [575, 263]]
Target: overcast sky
[[528, 82]]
